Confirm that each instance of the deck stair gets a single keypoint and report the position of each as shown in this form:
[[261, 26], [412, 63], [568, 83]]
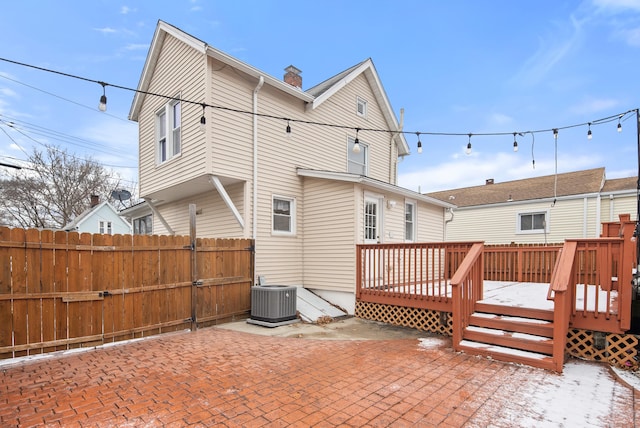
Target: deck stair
[[514, 334]]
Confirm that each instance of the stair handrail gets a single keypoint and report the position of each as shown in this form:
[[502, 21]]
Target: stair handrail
[[466, 290], [561, 294]]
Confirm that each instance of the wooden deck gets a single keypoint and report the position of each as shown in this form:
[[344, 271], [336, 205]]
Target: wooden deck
[[511, 303]]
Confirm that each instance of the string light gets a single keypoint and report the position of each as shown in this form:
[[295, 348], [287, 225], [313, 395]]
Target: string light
[[203, 120], [288, 130], [103, 99], [589, 134], [419, 143], [103, 106], [555, 134], [515, 142], [356, 143]]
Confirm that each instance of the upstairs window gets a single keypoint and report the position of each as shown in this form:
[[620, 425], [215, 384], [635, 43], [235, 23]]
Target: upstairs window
[[409, 221], [284, 210], [357, 163], [532, 222], [168, 131], [361, 107]]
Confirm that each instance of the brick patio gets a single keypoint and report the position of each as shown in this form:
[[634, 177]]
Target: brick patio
[[217, 377]]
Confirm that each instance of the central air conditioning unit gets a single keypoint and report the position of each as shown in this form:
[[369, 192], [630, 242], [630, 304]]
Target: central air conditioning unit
[[273, 305]]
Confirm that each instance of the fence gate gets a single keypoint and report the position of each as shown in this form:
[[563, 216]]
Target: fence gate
[[61, 290]]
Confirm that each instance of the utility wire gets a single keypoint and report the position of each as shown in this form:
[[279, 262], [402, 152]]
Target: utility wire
[[618, 116]]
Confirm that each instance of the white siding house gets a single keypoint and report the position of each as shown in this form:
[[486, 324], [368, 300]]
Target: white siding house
[[302, 195], [100, 218], [538, 210]]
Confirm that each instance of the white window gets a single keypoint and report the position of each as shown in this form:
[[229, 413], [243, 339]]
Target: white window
[[284, 212], [357, 163], [168, 125], [105, 227], [361, 107], [143, 225], [409, 221], [533, 222]]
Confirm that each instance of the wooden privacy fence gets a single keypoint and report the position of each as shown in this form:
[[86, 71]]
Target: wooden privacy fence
[[61, 290]]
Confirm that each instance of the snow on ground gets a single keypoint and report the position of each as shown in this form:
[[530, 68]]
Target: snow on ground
[[584, 395], [432, 342]]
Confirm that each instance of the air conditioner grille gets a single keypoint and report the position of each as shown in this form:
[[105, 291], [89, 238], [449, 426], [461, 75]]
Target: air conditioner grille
[[273, 303]]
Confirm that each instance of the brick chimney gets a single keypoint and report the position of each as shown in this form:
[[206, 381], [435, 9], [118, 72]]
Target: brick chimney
[[95, 200], [292, 76], [489, 181]]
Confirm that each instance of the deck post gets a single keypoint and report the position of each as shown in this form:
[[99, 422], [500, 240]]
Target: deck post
[[628, 264]]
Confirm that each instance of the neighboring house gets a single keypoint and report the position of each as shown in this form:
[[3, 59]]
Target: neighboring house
[[305, 196], [545, 209], [99, 218]]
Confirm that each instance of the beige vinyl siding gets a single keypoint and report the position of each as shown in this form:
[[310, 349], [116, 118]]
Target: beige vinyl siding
[[329, 244], [498, 225], [429, 223], [214, 219], [620, 204], [180, 71]]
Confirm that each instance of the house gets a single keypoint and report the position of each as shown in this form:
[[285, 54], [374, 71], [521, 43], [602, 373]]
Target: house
[[299, 171], [100, 217], [546, 209]]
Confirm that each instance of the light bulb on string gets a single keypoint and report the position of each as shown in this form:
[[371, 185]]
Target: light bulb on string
[[103, 99], [515, 143], [288, 130], [356, 143], [419, 143], [555, 134], [589, 134], [468, 150], [619, 124]]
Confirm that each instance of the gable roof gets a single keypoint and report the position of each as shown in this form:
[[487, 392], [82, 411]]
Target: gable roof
[[314, 96], [86, 214], [588, 181], [620, 184]]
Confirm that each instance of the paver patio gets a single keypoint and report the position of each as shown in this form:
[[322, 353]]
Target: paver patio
[[219, 377]]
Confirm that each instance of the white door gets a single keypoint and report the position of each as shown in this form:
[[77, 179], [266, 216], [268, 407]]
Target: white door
[[371, 220]]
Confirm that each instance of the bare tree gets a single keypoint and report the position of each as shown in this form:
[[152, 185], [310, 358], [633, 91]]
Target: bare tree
[[53, 190]]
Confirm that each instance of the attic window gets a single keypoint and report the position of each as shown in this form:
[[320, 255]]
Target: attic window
[[361, 107]]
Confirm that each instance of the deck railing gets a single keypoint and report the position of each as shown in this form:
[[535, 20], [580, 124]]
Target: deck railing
[[413, 274], [520, 262], [466, 286]]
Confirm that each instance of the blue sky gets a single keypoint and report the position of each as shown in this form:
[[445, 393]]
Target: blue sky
[[455, 67]]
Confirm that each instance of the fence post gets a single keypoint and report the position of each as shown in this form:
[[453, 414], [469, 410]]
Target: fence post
[[194, 267]]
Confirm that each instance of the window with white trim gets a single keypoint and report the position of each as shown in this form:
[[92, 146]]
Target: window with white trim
[[357, 163], [284, 212], [361, 107], [143, 225], [533, 222], [409, 221], [168, 131], [105, 227]]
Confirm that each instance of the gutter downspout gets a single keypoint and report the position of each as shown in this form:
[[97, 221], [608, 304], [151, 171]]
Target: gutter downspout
[[254, 226], [446, 223], [393, 164]]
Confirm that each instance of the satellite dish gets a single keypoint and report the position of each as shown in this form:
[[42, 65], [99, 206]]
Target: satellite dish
[[121, 195]]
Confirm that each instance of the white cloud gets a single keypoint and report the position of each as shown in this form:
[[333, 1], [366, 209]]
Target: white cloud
[[125, 10], [7, 92], [136, 46], [551, 51], [105, 30], [617, 5], [591, 106], [474, 170]]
